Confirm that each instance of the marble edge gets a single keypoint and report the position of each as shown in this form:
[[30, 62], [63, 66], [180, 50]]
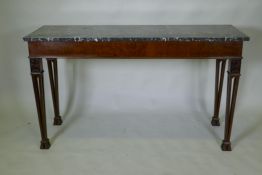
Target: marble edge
[[79, 39], [29, 38], [245, 37]]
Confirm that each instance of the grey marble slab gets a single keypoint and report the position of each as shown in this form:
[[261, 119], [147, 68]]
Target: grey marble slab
[[100, 33]]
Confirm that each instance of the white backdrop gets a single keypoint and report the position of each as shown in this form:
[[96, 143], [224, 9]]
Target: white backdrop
[[120, 93], [131, 84]]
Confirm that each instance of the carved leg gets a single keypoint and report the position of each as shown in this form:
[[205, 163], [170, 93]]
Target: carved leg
[[220, 71], [53, 76], [234, 66], [38, 84]]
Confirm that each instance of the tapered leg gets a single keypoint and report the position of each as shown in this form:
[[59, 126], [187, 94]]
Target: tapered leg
[[38, 85], [232, 87], [53, 76], [220, 71]]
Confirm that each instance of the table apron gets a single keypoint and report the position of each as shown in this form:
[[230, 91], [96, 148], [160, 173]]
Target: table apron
[[136, 49]]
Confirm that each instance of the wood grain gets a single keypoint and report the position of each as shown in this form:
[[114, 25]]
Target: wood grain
[[136, 49]]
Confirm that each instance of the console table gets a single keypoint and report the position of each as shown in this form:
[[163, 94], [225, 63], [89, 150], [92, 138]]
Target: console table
[[220, 42]]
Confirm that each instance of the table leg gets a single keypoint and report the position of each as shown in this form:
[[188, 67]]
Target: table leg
[[53, 76], [234, 66], [37, 71], [220, 71]]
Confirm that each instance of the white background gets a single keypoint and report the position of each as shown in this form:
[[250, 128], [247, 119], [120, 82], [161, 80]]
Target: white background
[[128, 116]]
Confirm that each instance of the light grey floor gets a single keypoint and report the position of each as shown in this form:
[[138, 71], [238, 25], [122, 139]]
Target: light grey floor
[[142, 142]]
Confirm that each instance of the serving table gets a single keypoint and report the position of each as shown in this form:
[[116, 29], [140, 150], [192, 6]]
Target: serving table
[[223, 43]]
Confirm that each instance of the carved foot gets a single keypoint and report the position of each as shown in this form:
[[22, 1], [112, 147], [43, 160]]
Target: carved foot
[[215, 121], [58, 120], [226, 146], [45, 144]]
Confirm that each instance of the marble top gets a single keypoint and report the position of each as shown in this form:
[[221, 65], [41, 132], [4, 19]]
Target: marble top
[[100, 33]]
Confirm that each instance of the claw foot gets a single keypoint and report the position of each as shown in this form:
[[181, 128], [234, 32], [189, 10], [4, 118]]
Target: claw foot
[[226, 146], [215, 121], [45, 144], [58, 120]]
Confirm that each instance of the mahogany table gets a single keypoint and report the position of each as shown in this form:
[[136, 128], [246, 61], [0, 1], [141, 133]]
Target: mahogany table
[[220, 42]]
